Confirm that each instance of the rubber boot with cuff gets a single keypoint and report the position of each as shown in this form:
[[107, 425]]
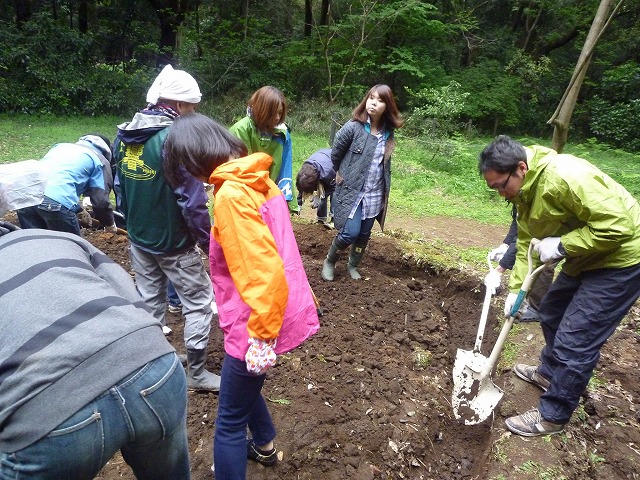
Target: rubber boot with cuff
[[329, 264], [355, 257], [197, 377]]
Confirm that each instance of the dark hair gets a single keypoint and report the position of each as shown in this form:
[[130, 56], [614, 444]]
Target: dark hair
[[502, 155], [307, 178], [264, 105], [391, 116], [197, 144], [103, 137]]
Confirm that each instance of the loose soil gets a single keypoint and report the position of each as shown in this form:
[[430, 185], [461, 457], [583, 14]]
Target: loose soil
[[368, 397]]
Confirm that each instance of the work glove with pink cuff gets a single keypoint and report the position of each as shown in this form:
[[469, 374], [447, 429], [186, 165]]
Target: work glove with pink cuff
[[260, 356]]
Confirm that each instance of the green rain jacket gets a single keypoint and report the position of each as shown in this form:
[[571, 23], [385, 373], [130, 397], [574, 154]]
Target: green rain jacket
[[246, 131], [564, 196]]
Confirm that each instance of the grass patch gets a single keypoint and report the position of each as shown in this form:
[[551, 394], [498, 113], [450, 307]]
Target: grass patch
[[426, 181]]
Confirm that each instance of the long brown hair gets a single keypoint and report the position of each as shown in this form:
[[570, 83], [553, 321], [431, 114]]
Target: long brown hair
[[391, 116], [264, 105]]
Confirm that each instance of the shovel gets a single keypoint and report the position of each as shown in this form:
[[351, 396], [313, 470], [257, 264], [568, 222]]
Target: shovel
[[474, 394]]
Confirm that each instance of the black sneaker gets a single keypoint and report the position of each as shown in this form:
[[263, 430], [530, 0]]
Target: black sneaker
[[266, 458]]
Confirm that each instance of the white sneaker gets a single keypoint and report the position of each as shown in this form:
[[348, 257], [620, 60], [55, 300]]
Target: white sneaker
[[214, 307], [166, 330], [174, 308]]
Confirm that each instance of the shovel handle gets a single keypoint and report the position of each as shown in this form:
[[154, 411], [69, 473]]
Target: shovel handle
[[524, 289], [485, 313]]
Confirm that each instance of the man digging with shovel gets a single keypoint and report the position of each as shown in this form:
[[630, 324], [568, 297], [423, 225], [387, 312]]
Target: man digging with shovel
[[582, 215]]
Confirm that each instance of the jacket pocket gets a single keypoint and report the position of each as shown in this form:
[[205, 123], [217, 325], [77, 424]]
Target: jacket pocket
[[357, 146]]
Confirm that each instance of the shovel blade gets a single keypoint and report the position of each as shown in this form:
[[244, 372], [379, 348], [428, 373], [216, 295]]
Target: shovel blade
[[474, 397]]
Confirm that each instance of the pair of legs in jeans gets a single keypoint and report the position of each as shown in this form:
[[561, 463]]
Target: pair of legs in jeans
[[240, 405], [49, 215], [356, 230], [144, 416], [577, 316]]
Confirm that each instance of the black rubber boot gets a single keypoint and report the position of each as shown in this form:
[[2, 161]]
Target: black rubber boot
[[197, 377], [329, 264], [355, 257]]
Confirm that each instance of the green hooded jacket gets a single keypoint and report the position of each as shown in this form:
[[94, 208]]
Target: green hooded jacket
[[245, 129], [564, 196]]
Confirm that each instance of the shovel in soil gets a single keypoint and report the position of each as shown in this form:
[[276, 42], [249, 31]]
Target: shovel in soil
[[474, 394]]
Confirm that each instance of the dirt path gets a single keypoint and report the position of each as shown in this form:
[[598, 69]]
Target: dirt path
[[368, 397]]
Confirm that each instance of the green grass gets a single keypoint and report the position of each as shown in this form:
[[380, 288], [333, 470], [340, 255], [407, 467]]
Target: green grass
[[427, 180], [25, 137]]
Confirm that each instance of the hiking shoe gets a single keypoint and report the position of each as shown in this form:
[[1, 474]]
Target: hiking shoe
[[266, 458], [532, 424], [174, 308], [529, 314], [529, 373]]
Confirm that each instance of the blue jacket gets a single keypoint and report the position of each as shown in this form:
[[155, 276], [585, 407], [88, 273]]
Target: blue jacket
[[321, 161]]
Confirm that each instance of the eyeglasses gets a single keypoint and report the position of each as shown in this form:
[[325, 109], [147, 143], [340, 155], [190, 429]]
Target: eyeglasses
[[504, 185]]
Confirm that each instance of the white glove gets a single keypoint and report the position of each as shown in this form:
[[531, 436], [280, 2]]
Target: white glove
[[111, 229], [496, 254], [492, 281], [548, 249], [509, 302]]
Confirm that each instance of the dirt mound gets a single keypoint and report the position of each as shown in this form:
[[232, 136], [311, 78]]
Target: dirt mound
[[369, 395]]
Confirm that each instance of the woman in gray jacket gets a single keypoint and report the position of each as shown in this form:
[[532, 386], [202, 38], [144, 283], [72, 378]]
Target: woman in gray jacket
[[361, 157]]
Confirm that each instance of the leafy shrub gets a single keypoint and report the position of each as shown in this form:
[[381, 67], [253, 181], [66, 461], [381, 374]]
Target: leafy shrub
[[49, 68], [616, 108]]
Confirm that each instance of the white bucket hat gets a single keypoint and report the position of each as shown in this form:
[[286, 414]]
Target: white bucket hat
[[175, 85]]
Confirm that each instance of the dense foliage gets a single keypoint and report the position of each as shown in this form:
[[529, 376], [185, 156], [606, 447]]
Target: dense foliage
[[493, 67]]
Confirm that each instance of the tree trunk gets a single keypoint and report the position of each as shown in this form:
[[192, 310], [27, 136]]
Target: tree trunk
[[308, 18], [171, 14], [83, 14], [324, 12], [23, 11], [562, 116]]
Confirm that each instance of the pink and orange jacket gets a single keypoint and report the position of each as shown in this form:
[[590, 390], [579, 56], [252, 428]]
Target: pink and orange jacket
[[260, 285]]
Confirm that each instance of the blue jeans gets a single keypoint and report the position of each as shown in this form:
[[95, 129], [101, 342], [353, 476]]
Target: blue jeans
[[172, 295], [577, 316], [49, 215], [356, 230], [143, 416], [321, 213], [240, 405]]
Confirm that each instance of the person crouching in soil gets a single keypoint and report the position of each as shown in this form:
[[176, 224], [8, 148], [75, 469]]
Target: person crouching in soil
[[265, 304], [361, 156]]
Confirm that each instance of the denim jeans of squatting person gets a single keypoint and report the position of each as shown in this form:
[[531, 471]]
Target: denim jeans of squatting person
[[49, 215], [240, 405], [143, 416]]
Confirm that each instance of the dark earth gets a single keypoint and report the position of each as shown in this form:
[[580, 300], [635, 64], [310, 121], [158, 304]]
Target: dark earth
[[369, 396]]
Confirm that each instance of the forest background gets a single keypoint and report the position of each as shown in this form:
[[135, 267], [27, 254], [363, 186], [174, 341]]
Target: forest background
[[457, 67]]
